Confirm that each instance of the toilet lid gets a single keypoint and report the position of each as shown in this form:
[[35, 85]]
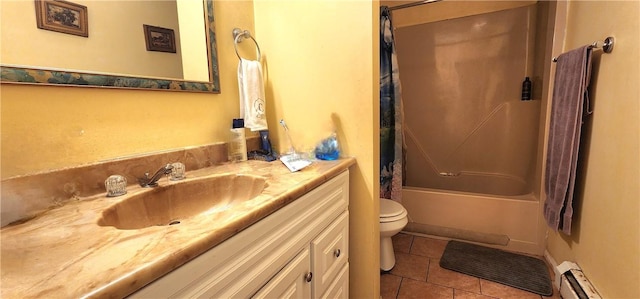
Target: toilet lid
[[390, 208]]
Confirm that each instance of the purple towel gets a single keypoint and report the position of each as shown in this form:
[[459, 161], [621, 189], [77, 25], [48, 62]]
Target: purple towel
[[573, 71]]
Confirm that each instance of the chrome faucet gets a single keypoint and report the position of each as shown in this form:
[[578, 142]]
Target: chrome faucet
[[147, 181]]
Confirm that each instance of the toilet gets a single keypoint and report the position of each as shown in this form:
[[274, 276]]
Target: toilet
[[393, 218]]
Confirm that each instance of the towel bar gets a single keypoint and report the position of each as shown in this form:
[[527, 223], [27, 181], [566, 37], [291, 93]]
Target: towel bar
[[607, 46], [238, 36]]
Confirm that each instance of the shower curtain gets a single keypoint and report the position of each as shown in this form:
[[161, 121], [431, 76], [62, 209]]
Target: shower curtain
[[391, 141]]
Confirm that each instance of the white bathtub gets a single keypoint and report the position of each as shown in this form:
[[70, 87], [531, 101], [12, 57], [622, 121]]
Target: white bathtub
[[477, 217]]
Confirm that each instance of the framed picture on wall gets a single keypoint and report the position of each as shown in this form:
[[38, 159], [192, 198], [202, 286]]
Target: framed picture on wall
[[159, 39], [62, 16]]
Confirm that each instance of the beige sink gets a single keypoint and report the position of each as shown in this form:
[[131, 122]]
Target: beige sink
[[170, 204]]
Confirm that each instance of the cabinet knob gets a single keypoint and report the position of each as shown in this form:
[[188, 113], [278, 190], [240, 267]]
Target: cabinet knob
[[308, 277], [336, 253]]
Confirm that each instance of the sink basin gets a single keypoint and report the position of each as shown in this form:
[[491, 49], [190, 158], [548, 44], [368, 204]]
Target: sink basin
[[169, 204]]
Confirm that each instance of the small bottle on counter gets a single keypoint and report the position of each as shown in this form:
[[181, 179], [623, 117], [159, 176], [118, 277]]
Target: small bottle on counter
[[237, 146]]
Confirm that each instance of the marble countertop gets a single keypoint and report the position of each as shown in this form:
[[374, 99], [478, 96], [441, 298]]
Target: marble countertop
[[64, 253]]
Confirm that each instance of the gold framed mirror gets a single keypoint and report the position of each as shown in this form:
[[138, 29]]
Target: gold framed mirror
[[24, 73]]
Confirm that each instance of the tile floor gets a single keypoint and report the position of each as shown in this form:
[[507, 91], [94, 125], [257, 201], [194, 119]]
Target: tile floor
[[417, 274]]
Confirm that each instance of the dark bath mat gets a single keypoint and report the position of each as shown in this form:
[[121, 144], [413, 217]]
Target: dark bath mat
[[515, 270]]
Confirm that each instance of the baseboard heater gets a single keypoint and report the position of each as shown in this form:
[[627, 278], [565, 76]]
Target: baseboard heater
[[574, 284]]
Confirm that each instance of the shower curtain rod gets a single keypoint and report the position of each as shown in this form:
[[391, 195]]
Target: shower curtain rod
[[412, 4]]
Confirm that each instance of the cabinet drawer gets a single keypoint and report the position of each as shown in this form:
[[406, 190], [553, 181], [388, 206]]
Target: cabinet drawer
[[330, 252]]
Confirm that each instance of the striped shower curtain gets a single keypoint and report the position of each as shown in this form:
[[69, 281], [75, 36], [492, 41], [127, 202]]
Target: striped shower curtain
[[391, 143]]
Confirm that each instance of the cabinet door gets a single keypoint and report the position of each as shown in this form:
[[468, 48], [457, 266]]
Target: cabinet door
[[340, 286], [330, 252], [293, 281]]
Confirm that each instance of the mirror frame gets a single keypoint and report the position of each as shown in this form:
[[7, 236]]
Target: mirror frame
[[20, 75]]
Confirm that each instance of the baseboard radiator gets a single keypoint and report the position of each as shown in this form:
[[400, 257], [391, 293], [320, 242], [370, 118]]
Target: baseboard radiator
[[573, 284]]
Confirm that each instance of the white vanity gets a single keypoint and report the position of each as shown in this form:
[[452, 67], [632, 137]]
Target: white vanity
[[299, 251]]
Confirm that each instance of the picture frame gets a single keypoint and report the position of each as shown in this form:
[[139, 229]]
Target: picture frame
[[62, 16], [159, 39]]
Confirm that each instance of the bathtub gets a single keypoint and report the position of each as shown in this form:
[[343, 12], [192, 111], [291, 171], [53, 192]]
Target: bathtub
[[508, 222]]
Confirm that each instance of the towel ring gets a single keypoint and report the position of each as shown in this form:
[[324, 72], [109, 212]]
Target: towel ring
[[238, 36]]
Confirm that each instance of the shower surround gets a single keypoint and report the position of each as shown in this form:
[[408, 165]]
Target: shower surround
[[472, 143]]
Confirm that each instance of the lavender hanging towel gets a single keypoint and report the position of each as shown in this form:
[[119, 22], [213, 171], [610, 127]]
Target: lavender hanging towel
[[569, 95]]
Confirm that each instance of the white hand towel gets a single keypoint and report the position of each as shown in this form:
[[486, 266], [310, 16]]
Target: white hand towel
[[252, 103]]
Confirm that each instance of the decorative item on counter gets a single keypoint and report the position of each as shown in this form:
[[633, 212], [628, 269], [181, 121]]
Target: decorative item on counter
[[177, 173], [264, 153], [526, 89], [237, 146], [293, 160], [116, 185], [328, 149]]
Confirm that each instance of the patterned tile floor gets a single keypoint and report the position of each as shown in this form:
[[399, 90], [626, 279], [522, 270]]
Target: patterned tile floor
[[417, 274]]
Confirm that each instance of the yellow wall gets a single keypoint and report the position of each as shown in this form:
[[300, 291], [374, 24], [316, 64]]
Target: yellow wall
[[321, 74], [606, 238], [111, 46], [46, 127]]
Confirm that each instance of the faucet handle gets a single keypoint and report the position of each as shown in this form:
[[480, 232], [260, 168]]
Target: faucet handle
[[177, 171], [116, 185]]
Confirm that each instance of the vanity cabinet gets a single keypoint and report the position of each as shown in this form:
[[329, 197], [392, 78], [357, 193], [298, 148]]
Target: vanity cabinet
[[299, 251]]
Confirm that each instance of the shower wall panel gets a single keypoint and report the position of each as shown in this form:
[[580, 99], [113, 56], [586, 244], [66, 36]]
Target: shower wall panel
[[461, 86]]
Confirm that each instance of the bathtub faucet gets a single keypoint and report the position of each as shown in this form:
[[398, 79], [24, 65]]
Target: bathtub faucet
[[147, 181]]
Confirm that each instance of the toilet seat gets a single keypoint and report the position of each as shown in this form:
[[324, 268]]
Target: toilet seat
[[391, 211]]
